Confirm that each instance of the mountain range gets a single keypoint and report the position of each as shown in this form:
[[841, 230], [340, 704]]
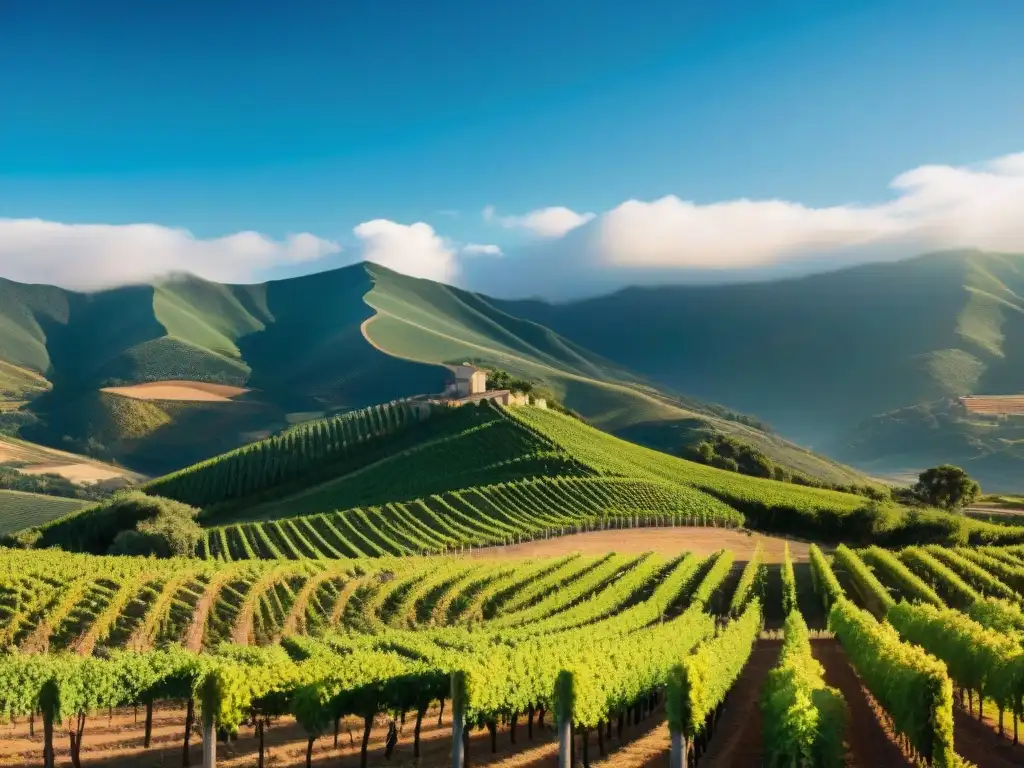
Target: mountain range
[[862, 364], [865, 364]]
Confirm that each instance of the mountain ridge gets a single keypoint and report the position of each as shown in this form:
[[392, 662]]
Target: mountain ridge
[[864, 363], [827, 358], [312, 345]]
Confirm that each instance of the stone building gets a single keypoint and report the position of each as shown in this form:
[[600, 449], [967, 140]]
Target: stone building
[[469, 380]]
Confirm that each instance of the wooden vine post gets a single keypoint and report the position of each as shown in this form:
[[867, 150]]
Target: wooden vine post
[[49, 704], [458, 697], [675, 709], [209, 698], [564, 701]]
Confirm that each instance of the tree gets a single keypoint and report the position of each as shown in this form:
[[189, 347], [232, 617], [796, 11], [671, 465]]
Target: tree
[[726, 462], [947, 487], [756, 464], [499, 379], [705, 451]]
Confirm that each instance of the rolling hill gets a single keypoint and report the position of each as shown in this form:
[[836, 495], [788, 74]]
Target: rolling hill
[[306, 347], [38, 484], [864, 364], [289, 584], [22, 510], [387, 481]]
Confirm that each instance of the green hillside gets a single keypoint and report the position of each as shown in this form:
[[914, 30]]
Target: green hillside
[[430, 322], [860, 363], [19, 385], [23, 510], [304, 347], [297, 344], [387, 481], [610, 483]]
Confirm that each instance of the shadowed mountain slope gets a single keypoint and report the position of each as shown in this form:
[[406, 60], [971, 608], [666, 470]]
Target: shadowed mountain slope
[[306, 347], [863, 363]]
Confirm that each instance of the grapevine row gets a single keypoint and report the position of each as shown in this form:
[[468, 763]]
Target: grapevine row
[[804, 719], [493, 515], [283, 458]]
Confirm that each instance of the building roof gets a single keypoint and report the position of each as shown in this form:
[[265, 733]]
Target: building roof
[[465, 370]]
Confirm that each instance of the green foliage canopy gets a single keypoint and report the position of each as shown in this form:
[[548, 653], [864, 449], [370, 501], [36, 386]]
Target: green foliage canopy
[[947, 487]]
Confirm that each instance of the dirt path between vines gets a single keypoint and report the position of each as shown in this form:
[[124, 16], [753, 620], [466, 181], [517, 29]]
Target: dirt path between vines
[[869, 743], [737, 741], [193, 640], [978, 743], [116, 742], [650, 750]]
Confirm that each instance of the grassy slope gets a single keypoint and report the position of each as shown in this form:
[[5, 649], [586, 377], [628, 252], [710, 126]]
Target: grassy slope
[[19, 385], [429, 322], [33, 453], [520, 443], [817, 356], [26, 311], [22, 510], [314, 354], [297, 342]]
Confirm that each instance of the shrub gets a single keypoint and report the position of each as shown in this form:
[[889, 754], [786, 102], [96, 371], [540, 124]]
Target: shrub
[[725, 462], [94, 529], [171, 533], [24, 539]]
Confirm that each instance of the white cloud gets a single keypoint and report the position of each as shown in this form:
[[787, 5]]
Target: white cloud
[[545, 222], [936, 207], [88, 256], [413, 249], [931, 208], [476, 249]]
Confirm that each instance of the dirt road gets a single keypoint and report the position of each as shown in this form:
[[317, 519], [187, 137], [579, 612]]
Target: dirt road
[[869, 744], [700, 541]]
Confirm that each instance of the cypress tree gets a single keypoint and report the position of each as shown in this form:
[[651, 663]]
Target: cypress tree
[[335, 434], [313, 442], [338, 439], [301, 451], [233, 466], [341, 435], [323, 440]]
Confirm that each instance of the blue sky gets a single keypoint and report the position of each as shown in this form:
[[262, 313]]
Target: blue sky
[[220, 117]]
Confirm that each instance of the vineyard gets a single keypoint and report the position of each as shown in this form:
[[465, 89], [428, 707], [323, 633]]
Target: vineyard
[[371, 659], [392, 480], [344, 606], [476, 517], [281, 459], [20, 510]]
